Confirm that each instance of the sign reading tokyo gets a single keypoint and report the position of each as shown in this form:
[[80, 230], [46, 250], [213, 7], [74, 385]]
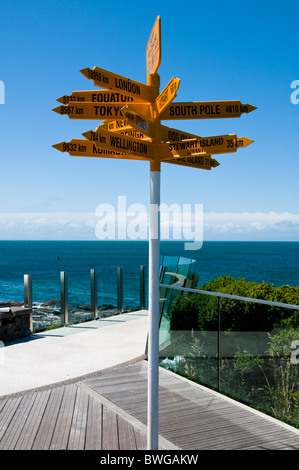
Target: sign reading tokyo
[[90, 111]]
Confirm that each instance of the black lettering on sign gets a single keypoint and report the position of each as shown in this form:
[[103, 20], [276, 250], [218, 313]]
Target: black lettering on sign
[[124, 144], [110, 98], [209, 109], [127, 85]]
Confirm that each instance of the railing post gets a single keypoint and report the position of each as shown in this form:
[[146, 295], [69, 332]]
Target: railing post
[[142, 288], [64, 297], [119, 290], [28, 296], [27, 290], [218, 343], [93, 292]]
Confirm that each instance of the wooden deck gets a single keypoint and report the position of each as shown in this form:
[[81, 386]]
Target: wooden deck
[[109, 412]]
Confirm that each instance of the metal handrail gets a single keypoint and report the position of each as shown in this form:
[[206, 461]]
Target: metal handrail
[[230, 296]]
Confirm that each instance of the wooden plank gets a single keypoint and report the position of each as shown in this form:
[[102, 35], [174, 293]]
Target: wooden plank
[[32, 425], [64, 420], [48, 419], [79, 421], [110, 430], [126, 435], [15, 427], [94, 425], [7, 413]]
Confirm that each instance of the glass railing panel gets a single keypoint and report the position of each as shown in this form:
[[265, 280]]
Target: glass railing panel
[[257, 366], [79, 297], [247, 350], [184, 348], [46, 302], [131, 288]]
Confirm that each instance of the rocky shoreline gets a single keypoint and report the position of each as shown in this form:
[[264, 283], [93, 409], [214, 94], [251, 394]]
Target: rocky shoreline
[[47, 314]]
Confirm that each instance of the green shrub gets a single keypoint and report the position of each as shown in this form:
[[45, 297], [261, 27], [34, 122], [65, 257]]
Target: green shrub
[[200, 312]]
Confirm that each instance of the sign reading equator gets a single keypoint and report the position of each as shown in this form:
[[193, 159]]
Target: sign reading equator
[[111, 81], [97, 96]]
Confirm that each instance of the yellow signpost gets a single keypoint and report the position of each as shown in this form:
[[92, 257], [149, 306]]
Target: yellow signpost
[[204, 145], [121, 143], [167, 95], [85, 148], [111, 81], [92, 96], [153, 48], [127, 107], [203, 162], [91, 111], [206, 110]]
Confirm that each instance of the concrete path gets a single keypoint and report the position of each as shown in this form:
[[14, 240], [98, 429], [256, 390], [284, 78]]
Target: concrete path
[[67, 353]]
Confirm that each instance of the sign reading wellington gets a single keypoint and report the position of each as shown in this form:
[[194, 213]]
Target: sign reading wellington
[[131, 113]]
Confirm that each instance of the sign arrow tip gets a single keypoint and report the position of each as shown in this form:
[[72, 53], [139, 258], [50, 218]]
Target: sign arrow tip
[[59, 146], [85, 72], [57, 110], [250, 108]]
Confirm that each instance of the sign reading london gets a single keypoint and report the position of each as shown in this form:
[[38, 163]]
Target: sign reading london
[[111, 81]]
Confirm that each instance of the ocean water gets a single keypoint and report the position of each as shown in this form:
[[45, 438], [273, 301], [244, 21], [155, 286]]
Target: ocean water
[[273, 262]]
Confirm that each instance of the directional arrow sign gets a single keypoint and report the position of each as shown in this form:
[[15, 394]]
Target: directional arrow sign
[[111, 81], [153, 48], [94, 96], [126, 128], [167, 95], [91, 111], [203, 162], [219, 144], [243, 142], [115, 126], [138, 116], [85, 148], [142, 110], [169, 134], [121, 143], [205, 145], [206, 110]]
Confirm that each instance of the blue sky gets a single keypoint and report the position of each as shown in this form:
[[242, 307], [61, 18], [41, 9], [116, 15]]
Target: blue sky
[[231, 50]]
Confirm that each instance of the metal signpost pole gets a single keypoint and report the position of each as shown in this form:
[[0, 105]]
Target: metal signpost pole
[[154, 287]]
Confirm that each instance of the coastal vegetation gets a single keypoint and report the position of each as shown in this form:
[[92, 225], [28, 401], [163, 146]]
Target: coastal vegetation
[[248, 351]]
